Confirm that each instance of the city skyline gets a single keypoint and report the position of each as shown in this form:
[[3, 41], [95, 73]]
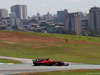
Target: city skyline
[[44, 6]]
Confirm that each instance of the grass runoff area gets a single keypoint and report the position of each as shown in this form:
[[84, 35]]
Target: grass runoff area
[[69, 72], [8, 61], [64, 36], [57, 50]]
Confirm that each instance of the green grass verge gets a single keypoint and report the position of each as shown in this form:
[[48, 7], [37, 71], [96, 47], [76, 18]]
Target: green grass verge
[[8, 61], [63, 36], [79, 53], [68, 72], [72, 73], [57, 51]]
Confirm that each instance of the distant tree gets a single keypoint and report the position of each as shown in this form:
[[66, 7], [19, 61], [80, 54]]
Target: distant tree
[[14, 27], [25, 27], [64, 31], [68, 32], [26, 22], [72, 33], [3, 28], [92, 33], [34, 20], [98, 32], [44, 24]]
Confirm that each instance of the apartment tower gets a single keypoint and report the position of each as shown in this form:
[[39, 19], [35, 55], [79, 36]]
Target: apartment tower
[[94, 18], [20, 11], [3, 13], [73, 23], [61, 15]]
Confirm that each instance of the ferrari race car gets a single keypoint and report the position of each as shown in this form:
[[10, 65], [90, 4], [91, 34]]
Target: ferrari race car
[[49, 62]]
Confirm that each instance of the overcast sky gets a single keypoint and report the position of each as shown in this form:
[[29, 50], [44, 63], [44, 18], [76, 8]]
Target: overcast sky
[[52, 6]]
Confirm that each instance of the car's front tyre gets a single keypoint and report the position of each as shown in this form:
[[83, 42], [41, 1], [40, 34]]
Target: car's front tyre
[[58, 64]]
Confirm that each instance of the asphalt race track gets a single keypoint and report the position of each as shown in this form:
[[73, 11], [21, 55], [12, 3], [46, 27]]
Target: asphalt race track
[[25, 68]]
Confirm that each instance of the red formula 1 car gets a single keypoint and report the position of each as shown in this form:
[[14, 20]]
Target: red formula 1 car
[[49, 62]]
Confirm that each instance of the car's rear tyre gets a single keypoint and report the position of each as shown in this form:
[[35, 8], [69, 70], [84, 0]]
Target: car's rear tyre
[[50, 64], [36, 64]]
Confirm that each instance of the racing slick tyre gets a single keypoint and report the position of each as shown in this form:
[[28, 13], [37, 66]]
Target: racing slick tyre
[[59, 64], [50, 64], [36, 64]]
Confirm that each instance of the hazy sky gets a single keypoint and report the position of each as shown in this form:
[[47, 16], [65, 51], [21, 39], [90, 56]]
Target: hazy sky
[[44, 6]]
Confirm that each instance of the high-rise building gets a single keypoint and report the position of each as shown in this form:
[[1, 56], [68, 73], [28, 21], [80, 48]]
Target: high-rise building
[[73, 23], [38, 17], [49, 17], [3, 13], [94, 18], [20, 11], [24, 10], [61, 15]]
